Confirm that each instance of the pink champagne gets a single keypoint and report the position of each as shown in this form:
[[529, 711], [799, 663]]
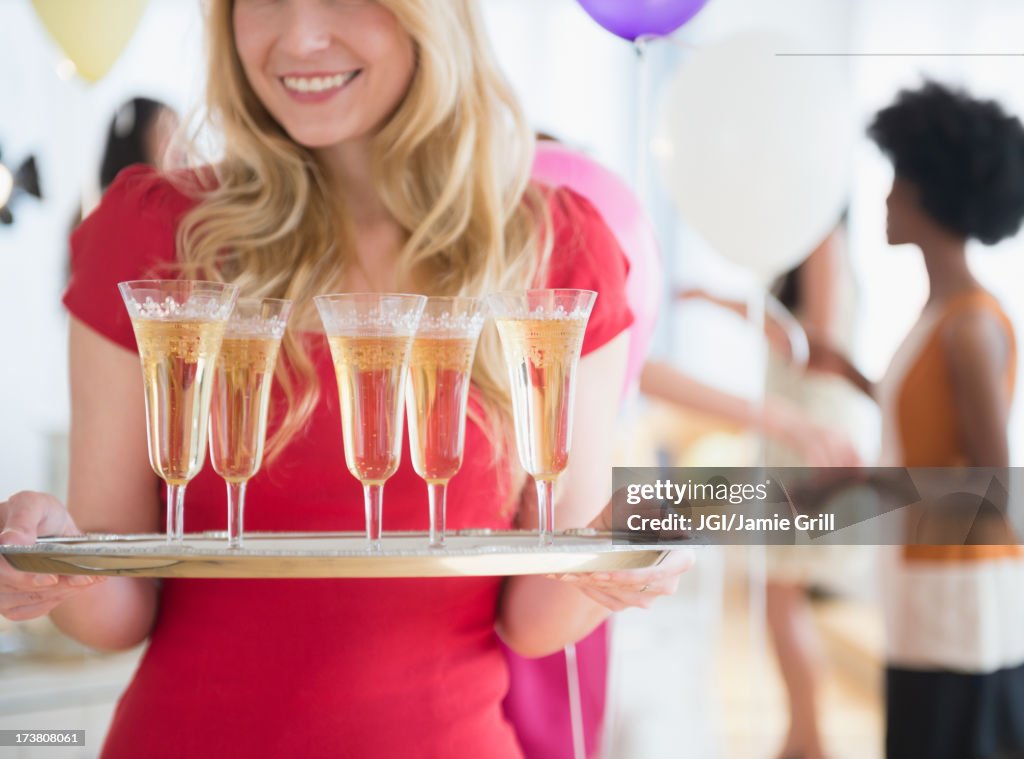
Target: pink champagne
[[542, 355], [371, 383], [178, 360], [439, 372], [241, 397]]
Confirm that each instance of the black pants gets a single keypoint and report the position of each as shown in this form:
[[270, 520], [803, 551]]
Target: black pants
[[949, 715]]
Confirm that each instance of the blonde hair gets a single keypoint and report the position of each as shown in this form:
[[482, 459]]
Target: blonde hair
[[451, 166]]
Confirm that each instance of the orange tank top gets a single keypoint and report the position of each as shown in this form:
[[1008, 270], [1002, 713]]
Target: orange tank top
[[929, 427], [928, 424]]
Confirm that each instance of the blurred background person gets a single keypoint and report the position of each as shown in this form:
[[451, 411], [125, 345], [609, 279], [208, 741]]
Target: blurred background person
[[141, 131], [955, 648], [808, 420], [820, 294]]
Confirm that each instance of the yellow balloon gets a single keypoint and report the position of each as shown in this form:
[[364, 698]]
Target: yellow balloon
[[92, 33]]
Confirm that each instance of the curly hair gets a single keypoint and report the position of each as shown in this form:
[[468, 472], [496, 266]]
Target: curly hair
[[964, 155]]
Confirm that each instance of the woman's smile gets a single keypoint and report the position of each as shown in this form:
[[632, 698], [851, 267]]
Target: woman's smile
[[317, 87]]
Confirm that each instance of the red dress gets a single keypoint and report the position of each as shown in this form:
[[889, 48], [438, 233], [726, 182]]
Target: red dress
[[332, 668]]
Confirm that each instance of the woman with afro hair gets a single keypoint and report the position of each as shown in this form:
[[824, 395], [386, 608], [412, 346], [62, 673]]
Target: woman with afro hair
[[954, 605]]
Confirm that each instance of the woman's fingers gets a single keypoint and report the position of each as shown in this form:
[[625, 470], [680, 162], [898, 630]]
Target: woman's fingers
[[634, 587], [27, 604], [607, 600], [23, 518], [23, 613], [26, 515]]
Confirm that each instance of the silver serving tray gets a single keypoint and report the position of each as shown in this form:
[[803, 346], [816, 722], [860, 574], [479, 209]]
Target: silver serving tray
[[467, 553]]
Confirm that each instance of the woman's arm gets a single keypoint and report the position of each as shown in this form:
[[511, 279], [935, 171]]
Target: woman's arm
[[820, 275], [826, 359], [776, 418], [111, 487], [977, 352], [539, 616], [779, 324]]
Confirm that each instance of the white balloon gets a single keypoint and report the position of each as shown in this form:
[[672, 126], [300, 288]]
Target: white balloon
[[755, 148]]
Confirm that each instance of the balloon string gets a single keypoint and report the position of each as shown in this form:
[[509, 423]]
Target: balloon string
[[642, 118], [757, 312], [572, 672]]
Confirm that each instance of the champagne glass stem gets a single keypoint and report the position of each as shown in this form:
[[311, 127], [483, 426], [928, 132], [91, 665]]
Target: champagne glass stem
[[236, 508], [175, 512], [373, 499], [437, 492], [546, 511]]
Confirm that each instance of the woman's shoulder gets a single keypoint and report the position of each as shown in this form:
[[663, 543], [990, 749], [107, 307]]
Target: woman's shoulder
[[579, 234], [586, 255], [975, 309], [132, 234], [976, 320], [147, 191], [135, 225], [570, 211]]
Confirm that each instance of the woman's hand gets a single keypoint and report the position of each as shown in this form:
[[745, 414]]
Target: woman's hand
[[629, 587], [633, 587], [818, 446], [23, 518], [823, 357]]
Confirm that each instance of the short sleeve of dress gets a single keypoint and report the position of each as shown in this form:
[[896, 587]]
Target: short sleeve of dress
[[586, 256], [130, 235]]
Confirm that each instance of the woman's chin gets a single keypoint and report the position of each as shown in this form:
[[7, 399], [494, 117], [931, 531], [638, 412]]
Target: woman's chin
[[894, 239], [309, 136]]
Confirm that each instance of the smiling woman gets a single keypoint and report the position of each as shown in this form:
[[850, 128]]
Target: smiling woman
[[327, 73], [368, 146]]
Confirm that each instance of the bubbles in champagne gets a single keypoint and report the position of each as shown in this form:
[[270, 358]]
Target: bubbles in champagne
[[371, 385], [542, 342], [238, 413], [542, 356], [439, 374], [178, 359], [369, 353], [186, 340], [258, 353], [432, 353]]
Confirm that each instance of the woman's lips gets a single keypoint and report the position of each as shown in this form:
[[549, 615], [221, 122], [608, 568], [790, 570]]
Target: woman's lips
[[316, 88]]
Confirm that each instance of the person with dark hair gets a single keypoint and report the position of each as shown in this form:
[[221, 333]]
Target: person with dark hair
[[955, 677], [819, 418], [140, 132]]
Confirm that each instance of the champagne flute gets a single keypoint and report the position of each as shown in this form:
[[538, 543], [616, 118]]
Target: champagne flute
[[241, 397], [436, 398], [370, 336], [179, 326], [542, 337]]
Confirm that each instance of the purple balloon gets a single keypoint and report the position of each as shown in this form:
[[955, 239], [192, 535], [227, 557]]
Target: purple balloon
[[632, 19]]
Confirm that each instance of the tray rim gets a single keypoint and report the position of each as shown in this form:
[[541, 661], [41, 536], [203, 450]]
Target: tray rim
[[584, 540], [491, 553]]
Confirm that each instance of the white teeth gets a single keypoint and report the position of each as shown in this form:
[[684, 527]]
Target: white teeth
[[318, 83]]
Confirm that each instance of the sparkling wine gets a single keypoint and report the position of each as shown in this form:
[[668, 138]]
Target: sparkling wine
[[178, 361], [371, 385], [542, 355], [439, 372], [241, 397]]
